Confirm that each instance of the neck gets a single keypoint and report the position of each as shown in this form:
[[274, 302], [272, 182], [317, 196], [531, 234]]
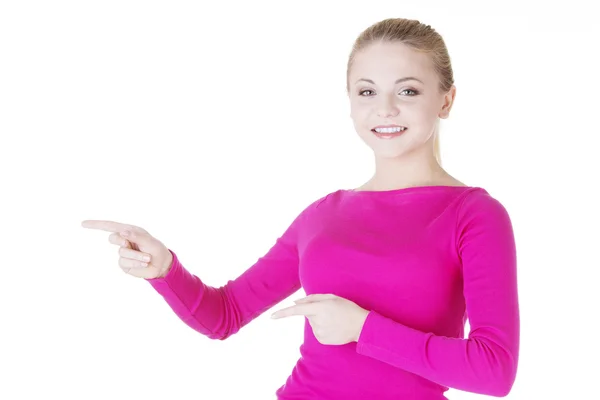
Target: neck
[[419, 168]]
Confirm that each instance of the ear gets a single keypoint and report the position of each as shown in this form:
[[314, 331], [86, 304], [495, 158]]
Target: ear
[[448, 102]]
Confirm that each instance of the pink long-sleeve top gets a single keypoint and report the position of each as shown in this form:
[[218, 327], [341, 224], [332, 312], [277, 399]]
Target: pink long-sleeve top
[[421, 260]]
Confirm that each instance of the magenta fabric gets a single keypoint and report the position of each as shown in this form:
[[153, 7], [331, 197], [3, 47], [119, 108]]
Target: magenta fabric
[[421, 259]]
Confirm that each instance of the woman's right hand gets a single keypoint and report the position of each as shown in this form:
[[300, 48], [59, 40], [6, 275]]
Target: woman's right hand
[[135, 249]]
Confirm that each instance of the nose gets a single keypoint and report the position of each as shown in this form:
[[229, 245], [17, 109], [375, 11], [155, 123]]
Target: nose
[[387, 107]]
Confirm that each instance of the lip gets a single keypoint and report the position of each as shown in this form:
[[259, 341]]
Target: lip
[[388, 126], [389, 135]]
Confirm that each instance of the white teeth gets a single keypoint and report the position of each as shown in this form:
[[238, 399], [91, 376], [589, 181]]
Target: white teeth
[[389, 130]]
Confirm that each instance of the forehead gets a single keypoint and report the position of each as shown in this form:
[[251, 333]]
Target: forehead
[[386, 62]]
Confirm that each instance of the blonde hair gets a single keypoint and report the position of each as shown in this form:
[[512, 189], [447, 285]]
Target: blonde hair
[[418, 36]]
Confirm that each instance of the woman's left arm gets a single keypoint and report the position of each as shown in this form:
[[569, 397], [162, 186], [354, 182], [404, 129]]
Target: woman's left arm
[[486, 361]]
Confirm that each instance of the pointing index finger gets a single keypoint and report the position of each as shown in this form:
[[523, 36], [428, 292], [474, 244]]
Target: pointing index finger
[[109, 226], [306, 309]]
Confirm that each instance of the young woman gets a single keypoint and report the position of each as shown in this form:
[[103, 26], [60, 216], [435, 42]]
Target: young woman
[[392, 269]]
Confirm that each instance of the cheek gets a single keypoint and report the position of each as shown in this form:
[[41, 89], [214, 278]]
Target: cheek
[[416, 113], [429, 108], [359, 112]]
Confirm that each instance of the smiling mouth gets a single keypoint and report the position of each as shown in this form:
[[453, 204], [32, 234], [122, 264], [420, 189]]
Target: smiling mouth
[[389, 132]]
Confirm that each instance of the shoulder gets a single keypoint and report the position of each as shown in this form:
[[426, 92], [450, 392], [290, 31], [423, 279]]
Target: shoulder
[[479, 200], [480, 214], [312, 204]]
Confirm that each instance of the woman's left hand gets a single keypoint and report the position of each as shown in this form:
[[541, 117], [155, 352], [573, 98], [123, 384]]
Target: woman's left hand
[[334, 320]]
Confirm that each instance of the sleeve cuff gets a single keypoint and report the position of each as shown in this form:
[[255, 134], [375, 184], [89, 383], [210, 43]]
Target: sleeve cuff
[[171, 275], [389, 341]]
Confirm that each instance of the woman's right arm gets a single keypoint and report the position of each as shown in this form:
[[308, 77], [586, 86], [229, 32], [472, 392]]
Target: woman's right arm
[[219, 312]]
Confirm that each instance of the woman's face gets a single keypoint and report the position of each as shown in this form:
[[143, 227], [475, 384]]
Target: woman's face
[[391, 84]]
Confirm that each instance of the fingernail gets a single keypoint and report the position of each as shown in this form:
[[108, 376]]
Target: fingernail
[[146, 258]]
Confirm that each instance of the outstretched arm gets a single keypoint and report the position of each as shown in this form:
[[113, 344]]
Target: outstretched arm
[[221, 312]]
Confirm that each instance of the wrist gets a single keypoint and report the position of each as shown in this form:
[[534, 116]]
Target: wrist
[[361, 323], [168, 265]]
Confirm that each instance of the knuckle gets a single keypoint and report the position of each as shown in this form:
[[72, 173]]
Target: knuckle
[[136, 229]]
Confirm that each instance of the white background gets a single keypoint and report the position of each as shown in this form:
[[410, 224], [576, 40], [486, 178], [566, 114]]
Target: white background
[[212, 126]]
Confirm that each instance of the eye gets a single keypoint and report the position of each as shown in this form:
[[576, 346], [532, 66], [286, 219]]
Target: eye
[[410, 90], [362, 92]]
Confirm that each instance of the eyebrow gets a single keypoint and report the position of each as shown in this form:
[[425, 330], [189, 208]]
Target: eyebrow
[[408, 78]]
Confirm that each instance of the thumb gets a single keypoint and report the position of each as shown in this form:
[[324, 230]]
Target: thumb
[[314, 298]]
